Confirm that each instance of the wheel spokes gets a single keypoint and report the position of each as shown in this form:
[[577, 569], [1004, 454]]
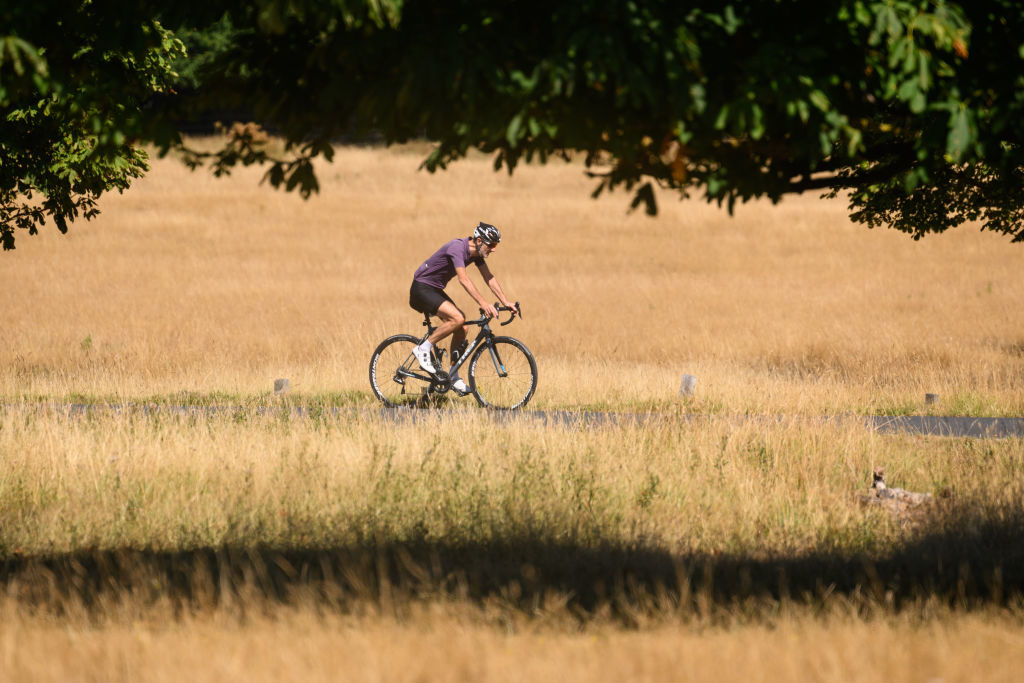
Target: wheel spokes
[[396, 379], [504, 376]]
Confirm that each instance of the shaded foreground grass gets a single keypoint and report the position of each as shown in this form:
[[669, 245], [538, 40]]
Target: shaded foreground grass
[[971, 564]]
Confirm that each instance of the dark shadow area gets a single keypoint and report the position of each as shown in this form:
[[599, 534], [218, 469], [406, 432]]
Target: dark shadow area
[[969, 565]]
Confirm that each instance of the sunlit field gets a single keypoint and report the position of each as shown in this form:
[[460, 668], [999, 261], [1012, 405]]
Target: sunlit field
[[163, 516], [186, 283]]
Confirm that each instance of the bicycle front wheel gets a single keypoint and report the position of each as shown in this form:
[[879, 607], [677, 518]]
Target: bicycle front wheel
[[395, 376], [503, 374]]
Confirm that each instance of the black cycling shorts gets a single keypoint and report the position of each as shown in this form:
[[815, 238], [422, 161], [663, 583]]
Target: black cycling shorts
[[426, 299]]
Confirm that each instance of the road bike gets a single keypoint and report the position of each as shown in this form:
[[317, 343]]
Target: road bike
[[502, 373]]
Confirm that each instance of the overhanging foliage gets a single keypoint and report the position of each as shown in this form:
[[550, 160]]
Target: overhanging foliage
[[909, 106]]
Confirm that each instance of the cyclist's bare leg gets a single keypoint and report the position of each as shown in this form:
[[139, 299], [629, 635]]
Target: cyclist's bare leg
[[452, 321], [458, 336]]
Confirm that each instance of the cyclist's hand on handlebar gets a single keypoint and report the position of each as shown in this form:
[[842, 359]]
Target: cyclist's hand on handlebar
[[512, 309], [489, 310]]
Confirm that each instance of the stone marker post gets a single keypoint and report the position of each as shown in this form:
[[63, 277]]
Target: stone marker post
[[280, 387], [688, 386]]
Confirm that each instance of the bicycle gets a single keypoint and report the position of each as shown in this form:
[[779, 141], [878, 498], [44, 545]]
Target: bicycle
[[502, 372]]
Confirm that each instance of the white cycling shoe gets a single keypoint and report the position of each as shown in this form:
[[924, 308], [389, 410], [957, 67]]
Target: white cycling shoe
[[460, 387], [423, 358]]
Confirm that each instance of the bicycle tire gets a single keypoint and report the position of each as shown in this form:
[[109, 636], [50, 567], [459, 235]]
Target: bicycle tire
[[511, 391], [390, 362]]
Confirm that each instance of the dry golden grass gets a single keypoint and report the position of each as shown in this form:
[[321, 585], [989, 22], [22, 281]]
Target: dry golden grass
[[755, 490], [445, 644], [251, 544], [189, 283], [256, 543]]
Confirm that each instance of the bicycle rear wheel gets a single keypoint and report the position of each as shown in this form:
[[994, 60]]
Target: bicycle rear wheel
[[503, 374], [395, 376]]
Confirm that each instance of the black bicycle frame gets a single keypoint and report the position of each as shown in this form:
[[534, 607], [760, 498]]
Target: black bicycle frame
[[485, 336]]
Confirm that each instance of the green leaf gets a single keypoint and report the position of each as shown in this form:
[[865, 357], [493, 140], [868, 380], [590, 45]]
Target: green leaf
[[855, 143], [527, 83], [732, 22], [715, 185], [803, 110], [826, 143], [819, 100], [898, 50], [699, 97], [682, 133], [959, 137], [514, 127], [924, 74], [910, 181], [756, 122], [910, 92], [918, 102], [723, 118]]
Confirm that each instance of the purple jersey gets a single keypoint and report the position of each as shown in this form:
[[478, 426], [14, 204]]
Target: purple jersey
[[437, 270]]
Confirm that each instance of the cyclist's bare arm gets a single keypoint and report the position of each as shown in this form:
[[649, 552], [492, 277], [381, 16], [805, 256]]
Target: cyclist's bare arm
[[492, 282], [471, 289]]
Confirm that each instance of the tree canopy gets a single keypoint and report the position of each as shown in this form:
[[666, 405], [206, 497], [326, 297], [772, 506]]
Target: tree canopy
[[908, 106]]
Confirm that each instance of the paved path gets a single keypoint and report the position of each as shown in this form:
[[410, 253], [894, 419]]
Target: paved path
[[974, 427], [978, 427]]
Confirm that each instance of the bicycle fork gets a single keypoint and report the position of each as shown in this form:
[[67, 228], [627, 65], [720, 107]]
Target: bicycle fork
[[498, 365]]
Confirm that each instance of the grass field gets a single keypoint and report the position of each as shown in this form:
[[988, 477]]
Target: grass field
[[191, 284], [249, 542]]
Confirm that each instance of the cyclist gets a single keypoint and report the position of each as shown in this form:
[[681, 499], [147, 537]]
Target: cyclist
[[427, 293]]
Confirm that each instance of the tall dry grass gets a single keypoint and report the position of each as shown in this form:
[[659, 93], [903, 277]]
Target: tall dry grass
[[165, 482], [638, 497], [446, 644], [191, 283]]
